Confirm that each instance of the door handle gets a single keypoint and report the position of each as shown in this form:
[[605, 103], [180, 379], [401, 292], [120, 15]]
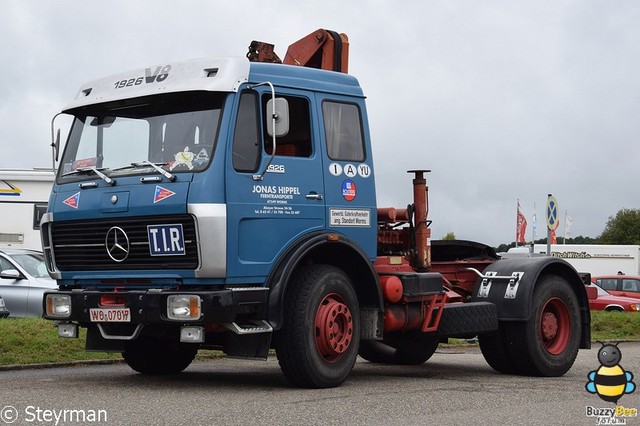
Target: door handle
[[313, 196]]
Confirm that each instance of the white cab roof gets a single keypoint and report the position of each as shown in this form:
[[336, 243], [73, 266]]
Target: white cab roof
[[209, 74]]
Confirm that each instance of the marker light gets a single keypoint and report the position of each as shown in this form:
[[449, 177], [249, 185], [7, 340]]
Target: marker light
[[183, 307], [58, 305], [69, 331], [192, 334]]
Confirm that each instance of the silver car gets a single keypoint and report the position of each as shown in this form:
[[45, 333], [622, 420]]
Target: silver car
[[23, 281]]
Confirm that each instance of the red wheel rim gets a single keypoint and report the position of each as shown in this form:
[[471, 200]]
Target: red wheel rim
[[334, 328], [555, 326]]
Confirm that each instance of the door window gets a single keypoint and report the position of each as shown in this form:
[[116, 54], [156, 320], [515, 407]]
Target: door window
[[246, 140], [608, 283], [297, 142], [343, 130], [630, 285]]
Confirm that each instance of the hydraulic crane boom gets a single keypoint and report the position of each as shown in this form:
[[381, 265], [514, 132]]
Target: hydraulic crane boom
[[323, 49]]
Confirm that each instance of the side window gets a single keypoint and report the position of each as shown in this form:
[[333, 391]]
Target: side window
[[5, 264], [246, 139], [607, 284], [296, 143], [343, 129], [629, 285]]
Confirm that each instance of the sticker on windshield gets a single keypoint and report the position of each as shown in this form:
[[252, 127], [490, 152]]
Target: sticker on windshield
[[201, 158], [85, 162], [183, 158], [162, 194]]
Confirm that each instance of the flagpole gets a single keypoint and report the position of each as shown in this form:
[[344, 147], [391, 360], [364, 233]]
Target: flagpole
[[548, 228], [564, 240], [535, 225]]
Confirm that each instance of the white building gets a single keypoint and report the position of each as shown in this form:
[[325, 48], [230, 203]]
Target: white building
[[24, 194], [597, 259]]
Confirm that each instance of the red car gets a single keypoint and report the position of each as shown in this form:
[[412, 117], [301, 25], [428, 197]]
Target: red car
[[619, 285], [608, 302]]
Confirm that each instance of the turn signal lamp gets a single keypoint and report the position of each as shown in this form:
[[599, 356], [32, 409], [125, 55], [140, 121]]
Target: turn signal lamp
[[58, 305], [183, 307], [635, 307]]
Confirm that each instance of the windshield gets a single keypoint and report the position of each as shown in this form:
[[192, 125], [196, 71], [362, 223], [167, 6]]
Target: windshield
[[32, 263], [176, 132]]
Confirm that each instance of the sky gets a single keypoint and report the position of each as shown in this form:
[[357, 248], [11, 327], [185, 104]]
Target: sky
[[501, 100]]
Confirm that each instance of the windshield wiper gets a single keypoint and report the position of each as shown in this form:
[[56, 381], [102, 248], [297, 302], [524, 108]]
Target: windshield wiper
[[92, 169], [156, 166]]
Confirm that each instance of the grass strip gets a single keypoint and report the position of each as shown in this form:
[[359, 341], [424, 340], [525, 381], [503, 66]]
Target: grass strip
[[36, 341]]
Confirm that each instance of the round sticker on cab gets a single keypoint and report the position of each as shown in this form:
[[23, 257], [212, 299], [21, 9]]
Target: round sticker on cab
[[348, 190]]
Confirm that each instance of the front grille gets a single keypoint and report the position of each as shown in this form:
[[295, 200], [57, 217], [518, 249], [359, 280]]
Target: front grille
[[80, 245]]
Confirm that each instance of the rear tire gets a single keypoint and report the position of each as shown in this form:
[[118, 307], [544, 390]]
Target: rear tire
[[495, 350], [544, 345], [317, 345], [156, 356]]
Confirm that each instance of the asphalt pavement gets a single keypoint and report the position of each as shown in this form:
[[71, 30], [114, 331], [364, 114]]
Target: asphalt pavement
[[455, 387]]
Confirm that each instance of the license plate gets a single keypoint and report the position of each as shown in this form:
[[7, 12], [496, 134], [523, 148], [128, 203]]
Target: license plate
[[166, 240], [110, 315]]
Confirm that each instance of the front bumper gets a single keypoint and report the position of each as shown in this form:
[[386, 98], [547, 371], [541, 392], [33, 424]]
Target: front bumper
[[149, 307]]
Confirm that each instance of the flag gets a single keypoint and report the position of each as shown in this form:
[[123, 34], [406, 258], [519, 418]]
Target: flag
[[521, 225], [535, 223], [567, 225], [553, 239]]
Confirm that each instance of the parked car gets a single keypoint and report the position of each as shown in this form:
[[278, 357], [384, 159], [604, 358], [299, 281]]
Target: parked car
[[606, 301], [23, 281], [4, 312], [619, 285]]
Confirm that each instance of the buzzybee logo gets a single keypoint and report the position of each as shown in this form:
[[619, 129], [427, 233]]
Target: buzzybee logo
[[610, 381]]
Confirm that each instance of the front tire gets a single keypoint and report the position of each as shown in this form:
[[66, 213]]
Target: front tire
[[317, 345]]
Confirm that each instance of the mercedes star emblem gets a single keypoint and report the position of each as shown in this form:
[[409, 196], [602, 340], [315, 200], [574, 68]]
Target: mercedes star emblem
[[117, 244]]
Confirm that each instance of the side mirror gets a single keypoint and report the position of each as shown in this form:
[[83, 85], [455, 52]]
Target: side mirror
[[11, 274], [56, 146], [282, 117], [60, 122]]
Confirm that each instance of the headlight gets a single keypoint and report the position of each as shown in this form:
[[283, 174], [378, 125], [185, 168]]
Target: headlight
[[2, 305], [58, 305], [183, 307]]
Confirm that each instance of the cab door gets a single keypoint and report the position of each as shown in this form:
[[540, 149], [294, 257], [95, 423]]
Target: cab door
[[273, 199], [350, 191]]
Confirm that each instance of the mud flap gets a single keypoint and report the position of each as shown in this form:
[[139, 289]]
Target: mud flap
[[468, 319]]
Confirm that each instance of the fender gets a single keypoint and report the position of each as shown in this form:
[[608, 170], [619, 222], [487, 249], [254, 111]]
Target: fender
[[516, 304], [324, 248]]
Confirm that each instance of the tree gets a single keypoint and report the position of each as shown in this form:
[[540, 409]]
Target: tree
[[449, 237], [577, 240], [624, 228]]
